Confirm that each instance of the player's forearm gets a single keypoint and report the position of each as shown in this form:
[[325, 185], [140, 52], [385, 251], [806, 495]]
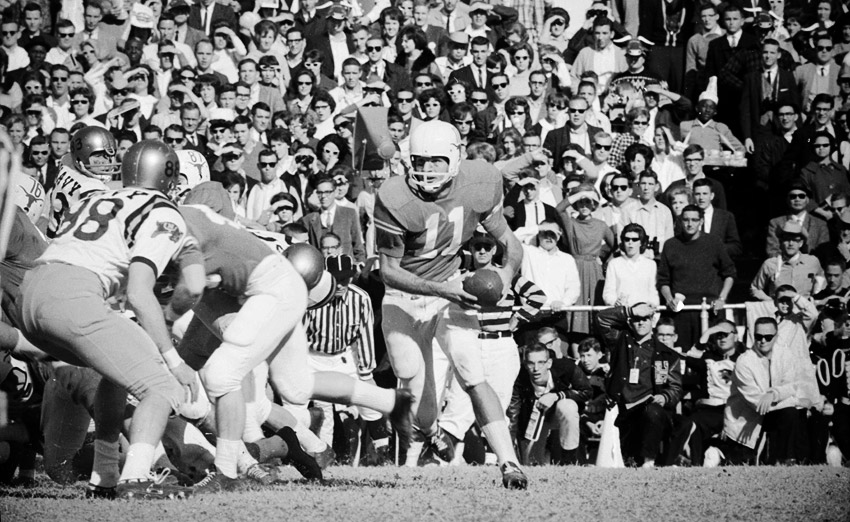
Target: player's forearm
[[149, 315], [400, 279], [513, 250]]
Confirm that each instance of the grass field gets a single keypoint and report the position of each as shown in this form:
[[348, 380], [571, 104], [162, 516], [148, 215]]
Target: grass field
[[475, 493]]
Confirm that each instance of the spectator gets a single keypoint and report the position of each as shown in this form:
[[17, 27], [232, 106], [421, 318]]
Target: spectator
[[330, 217], [559, 389], [260, 196], [791, 267], [476, 72], [798, 201], [554, 271], [613, 211], [823, 176], [709, 134], [666, 162], [604, 58], [694, 158], [630, 277], [654, 217], [694, 266], [645, 381], [531, 212], [718, 222], [456, 57], [820, 76], [575, 132], [638, 122], [416, 57]]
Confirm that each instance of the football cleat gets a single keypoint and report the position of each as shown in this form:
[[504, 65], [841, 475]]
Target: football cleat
[[257, 474], [513, 477], [215, 482], [442, 445], [151, 488], [297, 457], [402, 417], [101, 492]]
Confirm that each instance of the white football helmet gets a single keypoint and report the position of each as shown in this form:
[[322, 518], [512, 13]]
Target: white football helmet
[[434, 139], [194, 170], [29, 195]]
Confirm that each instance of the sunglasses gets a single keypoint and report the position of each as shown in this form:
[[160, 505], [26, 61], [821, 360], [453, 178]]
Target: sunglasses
[[266, 164], [79, 102], [404, 99], [66, 35], [9, 33], [39, 153], [631, 239], [59, 79], [218, 131], [764, 337], [125, 92], [463, 122], [617, 188], [285, 208], [499, 85], [640, 122], [424, 84], [516, 113], [374, 48], [187, 78], [481, 246], [821, 145], [640, 318], [522, 57], [305, 83], [343, 125], [174, 140], [577, 111], [558, 22], [603, 147], [824, 47], [557, 106], [479, 100], [230, 156]]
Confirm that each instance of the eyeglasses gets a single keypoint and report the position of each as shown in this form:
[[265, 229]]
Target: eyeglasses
[[424, 84], [324, 192], [556, 106], [479, 100], [266, 164], [599, 146], [463, 122], [617, 188], [174, 140], [824, 47], [243, 95], [39, 153], [59, 79], [693, 160], [218, 131], [499, 85], [522, 57], [786, 114], [305, 83], [821, 145], [764, 337], [822, 109], [125, 92], [640, 122], [536, 83], [188, 78], [404, 100], [574, 110], [374, 48], [66, 35], [321, 107], [294, 40], [79, 102], [631, 239]]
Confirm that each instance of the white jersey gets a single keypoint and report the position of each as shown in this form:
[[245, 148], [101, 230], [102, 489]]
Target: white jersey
[[71, 186], [108, 231]]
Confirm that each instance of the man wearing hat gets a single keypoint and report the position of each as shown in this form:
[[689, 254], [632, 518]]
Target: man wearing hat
[[554, 271], [636, 74], [180, 11], [183, 53], [790, 267], [797, 200], [206, 13], [478, 13], [457, 56], [531, 212], [335, 43]]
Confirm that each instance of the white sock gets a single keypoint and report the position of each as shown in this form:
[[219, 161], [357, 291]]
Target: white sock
[[413, 453], [105, 469], [309, 441], [499, 439], [252, 432], [227, 455], [139, 460], [458, 460], [371, 396], [160, 458], [192, 435], [245, 460], [24, 344]]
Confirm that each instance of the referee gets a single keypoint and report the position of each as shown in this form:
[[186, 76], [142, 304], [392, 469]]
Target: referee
[[340, 337]]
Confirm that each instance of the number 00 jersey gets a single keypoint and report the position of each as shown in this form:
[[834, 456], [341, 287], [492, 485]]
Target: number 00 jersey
[[108, 231], [71, 186], [427, 235]]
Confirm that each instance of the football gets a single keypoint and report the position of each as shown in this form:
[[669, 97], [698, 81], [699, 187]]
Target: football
[[486, 285]]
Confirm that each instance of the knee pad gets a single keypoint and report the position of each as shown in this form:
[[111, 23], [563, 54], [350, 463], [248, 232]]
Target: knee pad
[[218, 379], [567, 406], [242, 329]]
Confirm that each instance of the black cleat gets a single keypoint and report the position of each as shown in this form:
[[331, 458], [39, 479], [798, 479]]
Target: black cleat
[[300, 459], [215, 482], [101, 492], [513, 477], [402, 416]]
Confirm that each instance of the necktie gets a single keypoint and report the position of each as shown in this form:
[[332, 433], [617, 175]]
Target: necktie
[[482, 77], [204, 19], [449, 23], [822, 70], [769, 78]]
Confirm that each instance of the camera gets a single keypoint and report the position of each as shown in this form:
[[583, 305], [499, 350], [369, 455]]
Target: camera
[[304, 159], [593, 13]]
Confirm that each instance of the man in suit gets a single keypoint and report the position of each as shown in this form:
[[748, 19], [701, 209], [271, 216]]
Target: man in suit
[[816, 228], [720, 51], [378, 69], [716, 221], [335, 34], [763, 92], [190, 119], [530, 211], [206, 13], [475, 74], [820, 76], [342, 221], [576, 131], [103, 35], [453, 16], [249, 74], [559, 389], [184, 33]]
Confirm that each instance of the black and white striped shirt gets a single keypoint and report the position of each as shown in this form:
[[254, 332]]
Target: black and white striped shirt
[[344, 323], [524, 293]]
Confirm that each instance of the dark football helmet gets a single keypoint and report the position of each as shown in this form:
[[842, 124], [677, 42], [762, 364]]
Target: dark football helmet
[[151, 164]]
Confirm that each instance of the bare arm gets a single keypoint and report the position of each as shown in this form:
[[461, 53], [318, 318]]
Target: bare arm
[[394, 276]]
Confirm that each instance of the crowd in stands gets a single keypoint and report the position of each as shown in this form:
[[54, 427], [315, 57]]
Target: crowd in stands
[[654, 153]]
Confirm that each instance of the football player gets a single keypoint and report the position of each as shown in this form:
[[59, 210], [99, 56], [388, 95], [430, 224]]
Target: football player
[[117, 243], [421, 221], [89, 166], [194, 170]]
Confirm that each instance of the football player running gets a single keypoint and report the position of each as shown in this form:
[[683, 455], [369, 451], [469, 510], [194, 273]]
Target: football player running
[[422, 220], [117, 243], [87, 168]]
